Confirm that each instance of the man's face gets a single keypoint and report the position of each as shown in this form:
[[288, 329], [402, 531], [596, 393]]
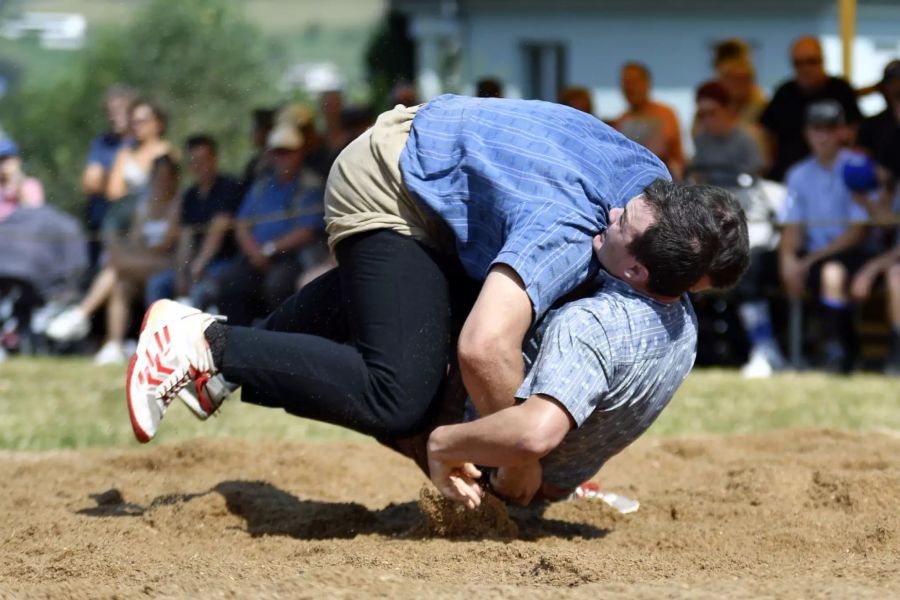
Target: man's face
[[625, 225], [824, 140], [739, 81], [287, 162], [714, 118], [203, 162], [809, 70], [117, 113], [635, 86], [891, 91]]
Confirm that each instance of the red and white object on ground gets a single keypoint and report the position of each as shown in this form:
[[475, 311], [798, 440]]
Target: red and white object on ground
[[591, 489]]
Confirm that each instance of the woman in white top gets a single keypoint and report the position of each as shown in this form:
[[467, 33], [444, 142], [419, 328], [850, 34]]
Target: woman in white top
[[130, 174], [149, 249]]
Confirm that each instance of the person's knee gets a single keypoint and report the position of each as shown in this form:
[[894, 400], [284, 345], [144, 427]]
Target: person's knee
[[892, 276], [400, 412], [834, 279]]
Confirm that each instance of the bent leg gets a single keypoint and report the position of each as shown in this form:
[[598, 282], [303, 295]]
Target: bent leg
[[397, 307]]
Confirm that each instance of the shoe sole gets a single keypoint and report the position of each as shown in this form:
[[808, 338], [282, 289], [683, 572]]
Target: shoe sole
[[139, 433]]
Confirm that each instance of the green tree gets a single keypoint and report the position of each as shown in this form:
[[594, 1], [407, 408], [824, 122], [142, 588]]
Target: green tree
[[200, 60]]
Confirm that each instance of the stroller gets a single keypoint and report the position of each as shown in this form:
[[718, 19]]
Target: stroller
[[42, 254]]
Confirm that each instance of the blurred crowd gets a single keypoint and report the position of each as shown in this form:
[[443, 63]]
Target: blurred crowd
[[817, 180]]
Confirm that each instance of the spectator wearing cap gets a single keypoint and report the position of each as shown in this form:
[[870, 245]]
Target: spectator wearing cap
[[101, 156], [16, 188], [823, 230], [723, 150], [783, 118], [651, 124], [280, 225], [206, 246]]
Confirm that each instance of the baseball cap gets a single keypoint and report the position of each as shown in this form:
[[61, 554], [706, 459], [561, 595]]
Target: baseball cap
[[891, 72], [289, 122], [8, 147], [825, 112], [286, 137]]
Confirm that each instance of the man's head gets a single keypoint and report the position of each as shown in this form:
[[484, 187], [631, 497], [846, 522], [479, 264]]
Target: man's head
[[116, 102], [665, 240], [203, 156], [489, 87], [578, 98], [890, 86], [291, 136], [739, 77], [635, 79], [809, 66], [714, 112], [733, 257], [825, 129]]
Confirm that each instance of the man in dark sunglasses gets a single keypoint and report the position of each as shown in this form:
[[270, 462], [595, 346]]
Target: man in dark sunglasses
[[783, 118]]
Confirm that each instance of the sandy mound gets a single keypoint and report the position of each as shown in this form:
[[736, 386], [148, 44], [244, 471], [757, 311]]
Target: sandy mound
[[798, 514]]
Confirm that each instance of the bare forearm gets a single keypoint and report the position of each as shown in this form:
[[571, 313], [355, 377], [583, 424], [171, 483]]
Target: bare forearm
[[498, 440], [845, 241], [295, 239], [492, 384]]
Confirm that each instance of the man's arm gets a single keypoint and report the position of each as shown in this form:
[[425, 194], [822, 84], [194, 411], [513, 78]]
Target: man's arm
[[490, 344], [516, 436]]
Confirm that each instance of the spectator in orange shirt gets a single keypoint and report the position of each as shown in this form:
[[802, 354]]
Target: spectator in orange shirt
[[651, 124]]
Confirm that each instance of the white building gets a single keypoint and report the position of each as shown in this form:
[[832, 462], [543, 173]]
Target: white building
[[538, 46], [54, 30]]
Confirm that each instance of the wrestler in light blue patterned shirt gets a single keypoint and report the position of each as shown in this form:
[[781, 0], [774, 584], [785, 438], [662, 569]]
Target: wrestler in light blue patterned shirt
[[613, 360], [523, 183]]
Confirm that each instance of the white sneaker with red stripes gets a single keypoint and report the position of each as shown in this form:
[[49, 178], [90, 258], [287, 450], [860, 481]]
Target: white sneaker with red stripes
[[171, 351]]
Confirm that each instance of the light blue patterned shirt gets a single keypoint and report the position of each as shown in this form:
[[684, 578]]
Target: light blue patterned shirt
[[613, 360], [523, 183]]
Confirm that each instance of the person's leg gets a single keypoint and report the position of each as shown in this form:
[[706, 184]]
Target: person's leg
[[238, 290], [99, 291], [398, 311], [753, 308], [118, 311], [892, 280], [280, 282], [837, 316]]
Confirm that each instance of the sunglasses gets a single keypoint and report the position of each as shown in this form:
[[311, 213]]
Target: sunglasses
[[809, 61]]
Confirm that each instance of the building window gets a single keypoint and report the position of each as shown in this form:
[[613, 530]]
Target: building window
[[545, 69]]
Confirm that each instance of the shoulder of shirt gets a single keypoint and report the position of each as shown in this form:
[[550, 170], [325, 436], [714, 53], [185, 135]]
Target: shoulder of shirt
[[798, 170]]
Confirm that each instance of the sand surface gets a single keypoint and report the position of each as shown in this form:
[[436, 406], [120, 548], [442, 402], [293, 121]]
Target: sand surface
[[788, 514]]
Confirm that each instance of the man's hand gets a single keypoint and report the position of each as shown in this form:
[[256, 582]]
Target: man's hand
[[456, 481], [259, 261], [518, 484]]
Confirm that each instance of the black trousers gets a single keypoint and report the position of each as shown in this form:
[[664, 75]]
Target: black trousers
[[365, 346]]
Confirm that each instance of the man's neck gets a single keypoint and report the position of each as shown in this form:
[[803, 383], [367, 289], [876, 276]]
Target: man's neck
[[827, 161]]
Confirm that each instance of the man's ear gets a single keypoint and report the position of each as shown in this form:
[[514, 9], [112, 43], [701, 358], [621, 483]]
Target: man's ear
[[637, 275]]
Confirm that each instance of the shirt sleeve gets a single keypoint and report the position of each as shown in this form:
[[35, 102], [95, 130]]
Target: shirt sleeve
[[96, 153], [573, 365], [312, 211], [792, 212], [551, 258]]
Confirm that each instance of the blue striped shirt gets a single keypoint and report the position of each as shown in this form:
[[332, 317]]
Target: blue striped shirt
[[523, 183], [613, 360]]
